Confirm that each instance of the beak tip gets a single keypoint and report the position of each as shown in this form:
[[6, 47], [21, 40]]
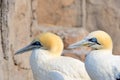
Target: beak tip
[[16, 53], [19, 52]]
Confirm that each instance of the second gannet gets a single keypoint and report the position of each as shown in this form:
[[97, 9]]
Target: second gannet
[[100, 63], [48, 64]]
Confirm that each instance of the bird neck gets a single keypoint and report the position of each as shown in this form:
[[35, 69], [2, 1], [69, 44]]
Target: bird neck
[[40, 55], [101, 52], [109, 46], [55, 50], [97, 56]]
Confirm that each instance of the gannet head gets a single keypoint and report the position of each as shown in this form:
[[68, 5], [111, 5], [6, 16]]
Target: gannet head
[[97, 40], [46, 41]]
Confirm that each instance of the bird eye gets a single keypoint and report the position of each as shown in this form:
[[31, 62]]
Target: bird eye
[[94, 40], [36, 43]]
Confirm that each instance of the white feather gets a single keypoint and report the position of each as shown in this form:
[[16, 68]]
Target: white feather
[[48, 67], [102, 65]]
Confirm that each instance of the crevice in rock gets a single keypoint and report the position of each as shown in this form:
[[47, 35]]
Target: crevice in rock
[[0, 15], [14, 61], [18, 65], [1, 21], [84, 13], [4, 28], [4, 5], [32, 17]]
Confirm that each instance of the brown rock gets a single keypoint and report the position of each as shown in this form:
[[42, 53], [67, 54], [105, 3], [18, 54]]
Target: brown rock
[[59, 12], [14, 33], [105, 15], [21, 20]]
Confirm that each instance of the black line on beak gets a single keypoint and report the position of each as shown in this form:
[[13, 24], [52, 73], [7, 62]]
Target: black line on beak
[[94, 40], [33, 45]]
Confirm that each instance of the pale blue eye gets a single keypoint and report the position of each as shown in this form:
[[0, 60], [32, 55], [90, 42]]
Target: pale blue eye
[[37, 43], [93, 40]]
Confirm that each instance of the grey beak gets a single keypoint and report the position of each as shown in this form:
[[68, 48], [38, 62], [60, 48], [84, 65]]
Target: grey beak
[[78, 44], [27, 48]]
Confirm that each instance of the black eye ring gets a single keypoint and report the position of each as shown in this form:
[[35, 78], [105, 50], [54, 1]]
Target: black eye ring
[[93, 40], [36, 43]]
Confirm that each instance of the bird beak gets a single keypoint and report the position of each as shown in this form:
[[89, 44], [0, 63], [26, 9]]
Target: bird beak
[[78, 44], [27, 48]]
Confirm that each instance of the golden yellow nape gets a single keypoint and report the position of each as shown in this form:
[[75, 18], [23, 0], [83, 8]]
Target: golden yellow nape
[[99, 62], [46, 62], [51, 42], [103, 38]]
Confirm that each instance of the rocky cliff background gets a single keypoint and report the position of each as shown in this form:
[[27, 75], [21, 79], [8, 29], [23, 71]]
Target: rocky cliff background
[[22, 20]]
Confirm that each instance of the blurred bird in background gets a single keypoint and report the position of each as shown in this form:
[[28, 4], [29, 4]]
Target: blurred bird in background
[[48, 64], [100, 63]]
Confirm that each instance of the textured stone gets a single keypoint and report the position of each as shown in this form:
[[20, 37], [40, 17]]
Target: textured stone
[[22, 20], [1, 55], [105, 15], [1, 61], [59, 12], [14, 33]]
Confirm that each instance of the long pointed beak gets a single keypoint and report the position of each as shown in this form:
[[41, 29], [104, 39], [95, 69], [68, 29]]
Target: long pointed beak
[[27, 48], [78, 44]]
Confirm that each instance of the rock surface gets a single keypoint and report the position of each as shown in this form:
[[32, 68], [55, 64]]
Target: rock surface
[[22, 20]]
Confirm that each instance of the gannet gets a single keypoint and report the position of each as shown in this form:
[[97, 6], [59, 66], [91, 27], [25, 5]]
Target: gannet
[[100, 63], [48, 64]]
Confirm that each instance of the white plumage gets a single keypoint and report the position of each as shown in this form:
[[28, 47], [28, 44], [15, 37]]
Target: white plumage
[[47, 67], [47, 64], [100, 63], [103, 65]]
